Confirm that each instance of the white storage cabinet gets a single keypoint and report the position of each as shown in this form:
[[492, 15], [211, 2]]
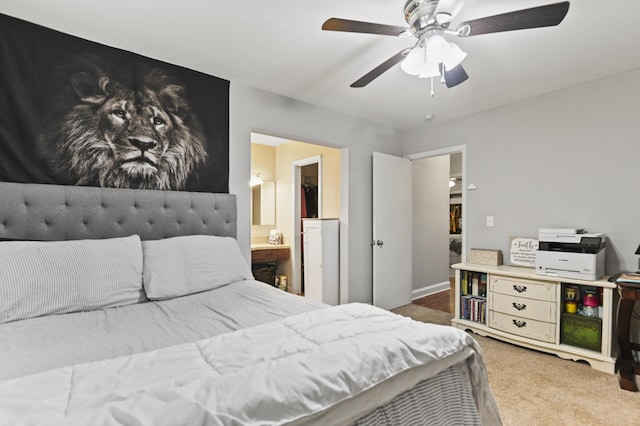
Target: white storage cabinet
[[321, 259]]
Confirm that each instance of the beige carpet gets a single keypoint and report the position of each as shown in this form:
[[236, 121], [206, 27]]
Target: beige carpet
[[534, 388]]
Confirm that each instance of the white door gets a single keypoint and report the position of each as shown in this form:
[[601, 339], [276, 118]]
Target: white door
[[392, 224]]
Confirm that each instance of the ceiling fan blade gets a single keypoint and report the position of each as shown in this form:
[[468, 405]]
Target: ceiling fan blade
[[380, 69], [535, 17], [454, 76], [337, 24]]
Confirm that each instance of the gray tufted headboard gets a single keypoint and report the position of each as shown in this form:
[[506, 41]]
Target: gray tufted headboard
[[55, 212]]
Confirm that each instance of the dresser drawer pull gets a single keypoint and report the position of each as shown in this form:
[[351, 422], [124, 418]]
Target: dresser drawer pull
[[520, 288], [519, 306], [519, 323]]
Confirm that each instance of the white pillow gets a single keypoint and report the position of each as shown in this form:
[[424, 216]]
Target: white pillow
[[179, 266], [54, 277]]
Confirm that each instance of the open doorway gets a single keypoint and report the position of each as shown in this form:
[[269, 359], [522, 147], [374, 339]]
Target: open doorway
[[439, 214], [455, 210], [291, 164]]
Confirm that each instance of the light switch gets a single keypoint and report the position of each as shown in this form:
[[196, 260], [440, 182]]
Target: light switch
[[489, 221]]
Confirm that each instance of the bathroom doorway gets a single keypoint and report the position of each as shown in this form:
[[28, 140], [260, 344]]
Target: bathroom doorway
[[290, 165]]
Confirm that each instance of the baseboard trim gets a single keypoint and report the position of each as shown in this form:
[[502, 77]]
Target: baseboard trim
[[429, 290]]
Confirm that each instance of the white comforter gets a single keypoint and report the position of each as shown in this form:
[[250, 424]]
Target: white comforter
[[289, 371]]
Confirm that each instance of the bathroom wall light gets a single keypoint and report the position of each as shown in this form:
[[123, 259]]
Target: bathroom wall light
[[255, 179]]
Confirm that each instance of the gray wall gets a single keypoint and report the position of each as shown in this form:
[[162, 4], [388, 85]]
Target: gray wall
[[568, 159], [255, 110]]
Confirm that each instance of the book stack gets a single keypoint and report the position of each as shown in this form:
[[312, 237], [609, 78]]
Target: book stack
[[473, 296], [473, 308], [473, 283]]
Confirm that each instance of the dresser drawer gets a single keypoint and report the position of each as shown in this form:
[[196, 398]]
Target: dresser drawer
[[529, 289], [269, 254], [540, 310], [525, 327]]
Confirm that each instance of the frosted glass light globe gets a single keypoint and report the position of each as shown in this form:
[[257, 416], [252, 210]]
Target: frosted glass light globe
[[437, 49], [412, 64]]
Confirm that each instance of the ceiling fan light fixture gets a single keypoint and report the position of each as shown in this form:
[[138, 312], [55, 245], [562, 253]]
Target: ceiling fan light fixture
[[429, 70], [437, 49], [454, 56], [414, 61]]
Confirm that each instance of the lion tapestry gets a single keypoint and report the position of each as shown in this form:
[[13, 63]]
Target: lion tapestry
[[75, 112]]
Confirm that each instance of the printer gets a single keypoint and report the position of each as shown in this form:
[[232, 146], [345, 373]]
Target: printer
[[570, 253]]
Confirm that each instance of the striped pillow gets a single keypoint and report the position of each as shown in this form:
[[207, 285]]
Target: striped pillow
[[54, 277]]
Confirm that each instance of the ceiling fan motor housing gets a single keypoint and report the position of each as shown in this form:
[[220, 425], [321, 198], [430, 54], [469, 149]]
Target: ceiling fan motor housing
[[420, 14]]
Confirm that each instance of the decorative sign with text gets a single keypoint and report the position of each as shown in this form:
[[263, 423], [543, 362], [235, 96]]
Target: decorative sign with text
[[522, 251]]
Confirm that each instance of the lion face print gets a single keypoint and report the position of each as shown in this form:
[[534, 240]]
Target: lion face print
[[117, 136], [138, 134]]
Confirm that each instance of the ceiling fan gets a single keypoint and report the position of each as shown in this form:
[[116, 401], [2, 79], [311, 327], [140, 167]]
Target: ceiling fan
[[429, 20]]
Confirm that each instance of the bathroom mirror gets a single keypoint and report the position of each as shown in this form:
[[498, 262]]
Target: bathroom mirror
[[263, 200]]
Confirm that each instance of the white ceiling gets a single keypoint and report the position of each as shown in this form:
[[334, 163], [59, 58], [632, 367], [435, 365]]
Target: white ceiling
[[278, 46]]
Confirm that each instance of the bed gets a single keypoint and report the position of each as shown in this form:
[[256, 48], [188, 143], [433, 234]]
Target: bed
[[137, 307]]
